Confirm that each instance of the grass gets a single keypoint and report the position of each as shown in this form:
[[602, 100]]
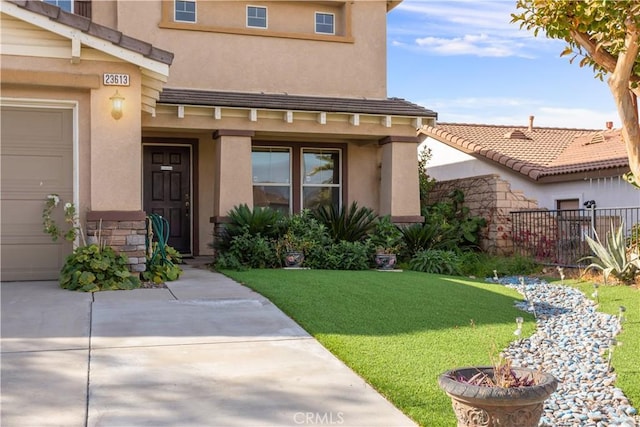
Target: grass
[[626, 357], [399, 331]]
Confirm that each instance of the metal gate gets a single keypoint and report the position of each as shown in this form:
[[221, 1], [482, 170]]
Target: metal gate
[[558, 236]]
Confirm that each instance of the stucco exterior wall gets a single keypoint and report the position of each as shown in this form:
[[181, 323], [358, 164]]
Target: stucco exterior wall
[[364, 175], [211, 60]]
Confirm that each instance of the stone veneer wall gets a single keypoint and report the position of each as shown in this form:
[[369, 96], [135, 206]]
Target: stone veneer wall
[[124, 231], [492, 198]]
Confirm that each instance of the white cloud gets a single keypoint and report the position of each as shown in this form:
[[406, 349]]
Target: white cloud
[[469, 44], [478, 28]]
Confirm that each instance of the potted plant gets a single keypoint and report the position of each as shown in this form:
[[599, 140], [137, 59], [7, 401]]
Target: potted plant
[[387, 239], [291, 248], [498, 395]]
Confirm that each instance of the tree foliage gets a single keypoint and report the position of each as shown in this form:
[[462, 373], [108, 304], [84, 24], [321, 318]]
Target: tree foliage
[[605, 35]]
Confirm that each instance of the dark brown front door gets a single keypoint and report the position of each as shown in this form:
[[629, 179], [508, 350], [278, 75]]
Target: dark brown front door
[[167, 190]]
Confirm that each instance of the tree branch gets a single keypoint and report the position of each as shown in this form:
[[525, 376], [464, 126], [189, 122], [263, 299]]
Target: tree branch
[[601, 56], [619, 85]]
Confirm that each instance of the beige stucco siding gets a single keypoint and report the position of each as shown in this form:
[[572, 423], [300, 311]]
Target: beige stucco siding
[[212, 60]]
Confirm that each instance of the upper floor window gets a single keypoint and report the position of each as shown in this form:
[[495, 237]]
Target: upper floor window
[[185, 11], [256, 17], [66, 5], [325, 23]]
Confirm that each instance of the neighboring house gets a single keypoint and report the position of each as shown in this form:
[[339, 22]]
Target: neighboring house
[[510, 168], [267, 103]]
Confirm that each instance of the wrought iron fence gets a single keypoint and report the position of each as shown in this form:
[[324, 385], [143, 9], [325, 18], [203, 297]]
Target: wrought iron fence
[[558, 236]]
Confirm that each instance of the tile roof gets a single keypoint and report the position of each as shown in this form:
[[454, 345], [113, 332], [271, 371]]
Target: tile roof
[[538, 153], [100, 31], [390, 106]]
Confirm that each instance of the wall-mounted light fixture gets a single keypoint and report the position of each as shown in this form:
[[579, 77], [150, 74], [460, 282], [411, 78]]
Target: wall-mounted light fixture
[[117, 102]]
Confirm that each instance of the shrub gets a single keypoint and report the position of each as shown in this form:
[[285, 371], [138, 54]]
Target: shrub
[[453, 219], [249, 250], [352, 225], [430, 235], [264, 221], [92, 268], [386, 237], [341, 256], [436, 261]]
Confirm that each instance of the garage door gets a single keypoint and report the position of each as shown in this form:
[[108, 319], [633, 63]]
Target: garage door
[[37, 160]]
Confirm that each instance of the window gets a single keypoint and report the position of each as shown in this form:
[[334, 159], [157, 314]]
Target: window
[[185, 11], [324, 23], [293, 178], [271, 170], [321, 178], [256, 17], [66, 5]]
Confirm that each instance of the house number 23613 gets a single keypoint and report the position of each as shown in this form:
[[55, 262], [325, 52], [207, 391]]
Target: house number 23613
[[110, 79]]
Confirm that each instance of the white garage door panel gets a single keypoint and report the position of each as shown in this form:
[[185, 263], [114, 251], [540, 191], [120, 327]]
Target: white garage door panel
[[40, 261], [22, 221], [37, 160]]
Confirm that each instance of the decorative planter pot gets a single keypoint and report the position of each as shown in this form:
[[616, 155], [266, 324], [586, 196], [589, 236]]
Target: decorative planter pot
[[293, 259], [386, 261], [497, 406]]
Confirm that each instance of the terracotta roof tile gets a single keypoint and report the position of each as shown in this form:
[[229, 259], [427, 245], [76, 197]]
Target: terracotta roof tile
[[390, 106], [87, 26], [544, 152]]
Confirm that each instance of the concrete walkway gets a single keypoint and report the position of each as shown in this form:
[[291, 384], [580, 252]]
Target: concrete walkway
[[204, 352]]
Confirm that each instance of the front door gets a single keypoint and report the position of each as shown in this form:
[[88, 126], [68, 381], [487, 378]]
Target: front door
[[167, 190]]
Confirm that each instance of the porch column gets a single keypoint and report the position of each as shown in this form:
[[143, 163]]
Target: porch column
[[233, 185], [399, 188]]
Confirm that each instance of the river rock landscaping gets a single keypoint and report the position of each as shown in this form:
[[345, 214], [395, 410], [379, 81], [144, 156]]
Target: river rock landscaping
[[573, 342]]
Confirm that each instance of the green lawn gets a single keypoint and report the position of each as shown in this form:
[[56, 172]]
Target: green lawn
[[626, 357], [399, 331]]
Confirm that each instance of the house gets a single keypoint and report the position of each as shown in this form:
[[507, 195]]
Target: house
[[511, 168], [189, 108]]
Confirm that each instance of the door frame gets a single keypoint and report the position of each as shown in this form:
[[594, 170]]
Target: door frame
[[192, 145]]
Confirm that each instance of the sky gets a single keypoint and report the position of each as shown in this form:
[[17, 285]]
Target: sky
[[466, 61]]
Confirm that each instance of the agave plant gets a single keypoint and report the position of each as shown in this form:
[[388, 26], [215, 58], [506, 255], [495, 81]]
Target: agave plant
[[613, 257], [243, 220]]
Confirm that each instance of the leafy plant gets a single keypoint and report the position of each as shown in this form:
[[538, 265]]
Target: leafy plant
[[481, 265], [386, 237], [436, 261], [430, 235], [612, 257], [352, 225], [341, 256], [249, 250], [93, 268], [163, 269], [70, 218], [264, 221]]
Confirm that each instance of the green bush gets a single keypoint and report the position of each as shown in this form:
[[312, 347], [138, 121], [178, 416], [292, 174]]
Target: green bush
[[427, 236], [341, 256], [264, 221], [249, 250], [452, 219], [92, 268], [352, 225], [386, 237], [436, 261]]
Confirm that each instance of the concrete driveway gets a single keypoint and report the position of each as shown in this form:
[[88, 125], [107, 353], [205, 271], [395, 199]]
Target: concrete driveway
[[204, 352]]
